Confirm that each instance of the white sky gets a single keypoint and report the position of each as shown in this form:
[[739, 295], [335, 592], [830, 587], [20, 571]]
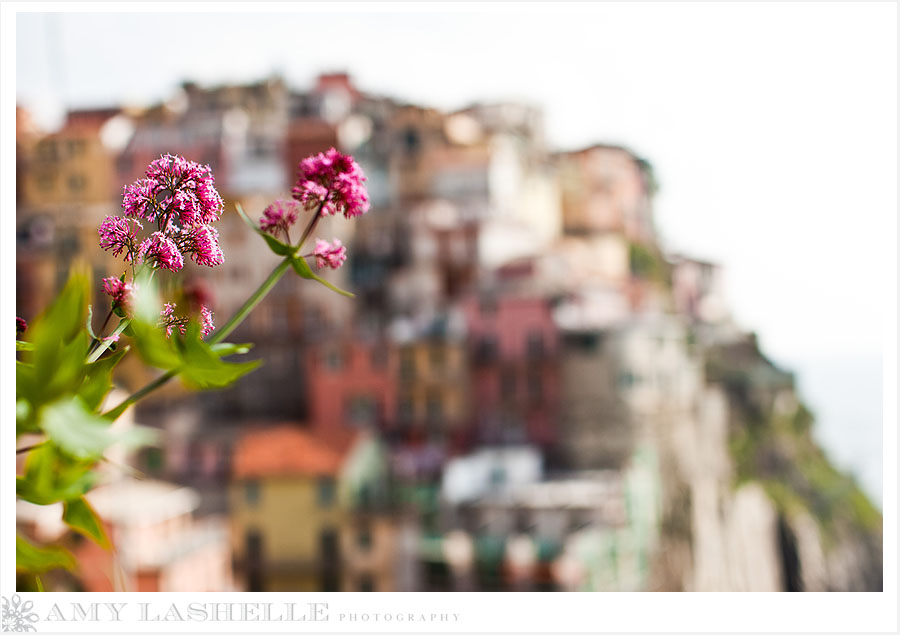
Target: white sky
[[772, 126]]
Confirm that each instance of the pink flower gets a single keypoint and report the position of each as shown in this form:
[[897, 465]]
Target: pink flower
[[174, 188], [206, 321], [169, 320], [335, 179], [203, 245], [139, 200], [163, 250], [280, 215], [120, 291], [21, 326], [328, 254], [117, 234]]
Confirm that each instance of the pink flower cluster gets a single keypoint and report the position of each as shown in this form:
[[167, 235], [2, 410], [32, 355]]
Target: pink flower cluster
[[120, 291], [331, 183], [333, 180], [279, 216], [170, 321], [329, 254], [180, 197], [118, 234]]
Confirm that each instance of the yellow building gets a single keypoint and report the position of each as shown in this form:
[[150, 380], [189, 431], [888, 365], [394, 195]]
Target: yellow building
[[303, 516]]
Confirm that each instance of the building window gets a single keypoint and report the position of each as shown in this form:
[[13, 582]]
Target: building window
[[362, 410], [366, 583], [46, 150], [364, 538], [437, 357], [628, 380], [154, 459], [253, 555], [535, 344], [251, 493], [333, 360], [76, 182], [535, 387], [508, 383], [407, 365], [486, 350], [405, 410], [45, 182], [434, 407], [326, 491], [76, 147], [379, 357], [329, 555]]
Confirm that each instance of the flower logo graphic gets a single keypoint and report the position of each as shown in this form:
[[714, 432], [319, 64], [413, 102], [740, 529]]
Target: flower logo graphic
[[18, 616]]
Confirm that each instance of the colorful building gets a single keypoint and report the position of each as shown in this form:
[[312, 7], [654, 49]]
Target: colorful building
[[306, 512]]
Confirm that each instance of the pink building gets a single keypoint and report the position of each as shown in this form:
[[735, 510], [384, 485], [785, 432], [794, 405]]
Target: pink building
[[514, 378], [351, 385]]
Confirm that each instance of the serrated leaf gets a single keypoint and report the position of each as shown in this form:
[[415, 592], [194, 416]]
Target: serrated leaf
[[154, 347], [33, 559], [304, 271], [98, 379], [80, 516], [203, 368], [51, 476], [58, 338], [83, 434]]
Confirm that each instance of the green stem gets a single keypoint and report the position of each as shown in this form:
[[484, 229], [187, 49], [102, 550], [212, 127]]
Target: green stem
[[28, 448], [107, 342], [219, 334], [252, 301], [312, 224], [140, 394]]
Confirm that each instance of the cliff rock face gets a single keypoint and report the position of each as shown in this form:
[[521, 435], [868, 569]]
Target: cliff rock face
[[750, 503]]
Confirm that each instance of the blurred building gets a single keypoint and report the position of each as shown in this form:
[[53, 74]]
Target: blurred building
[[526, 393], [514, 348], [158, 544], [307, 512]]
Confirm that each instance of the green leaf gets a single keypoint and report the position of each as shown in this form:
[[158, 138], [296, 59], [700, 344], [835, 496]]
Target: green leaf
[[154, 347], [203, 367], [278, 247], [62, 370], [55, 347], [33, 559], [25, 393], [303, 270], [51, 476], [80, 516], [66, 315], [24, 346], [98, 379], [84, 435]]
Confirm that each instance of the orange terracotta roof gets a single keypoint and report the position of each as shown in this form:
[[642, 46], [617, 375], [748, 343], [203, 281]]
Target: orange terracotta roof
[[288, 450]]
